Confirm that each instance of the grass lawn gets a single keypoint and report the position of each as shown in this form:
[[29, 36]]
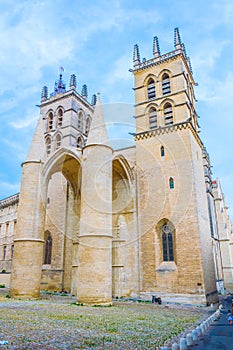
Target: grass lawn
[[61, 324]]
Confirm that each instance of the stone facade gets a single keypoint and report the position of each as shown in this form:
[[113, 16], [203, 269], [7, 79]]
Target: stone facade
[[133, 222]]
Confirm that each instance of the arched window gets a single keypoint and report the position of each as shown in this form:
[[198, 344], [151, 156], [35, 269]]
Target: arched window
[[80, 120], [88, 124], [79, 142], [48, 145], [168, 114], [171, 183], [59, 118], [153, 118], [162, 152], [167, 243], [58, 141], [50, 121], [48, 249], [166, 87], [151, 88]]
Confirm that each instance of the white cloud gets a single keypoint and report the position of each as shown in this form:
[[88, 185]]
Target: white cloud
[[8, 188]]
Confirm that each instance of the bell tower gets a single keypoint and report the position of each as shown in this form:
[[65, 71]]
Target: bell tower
[[49, 205], [173, 220], [164, 88]]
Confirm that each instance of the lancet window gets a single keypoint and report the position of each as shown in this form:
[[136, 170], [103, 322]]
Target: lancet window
[[48, 145], [48, 249], [58, 141], [171, 183], [167, 243], [50, 121], [59, 118], [80, 120]]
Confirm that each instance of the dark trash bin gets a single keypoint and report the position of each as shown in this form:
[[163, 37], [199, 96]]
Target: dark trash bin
[[156, 300]]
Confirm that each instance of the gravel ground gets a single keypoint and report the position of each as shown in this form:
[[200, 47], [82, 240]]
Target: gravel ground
[[59, 323]]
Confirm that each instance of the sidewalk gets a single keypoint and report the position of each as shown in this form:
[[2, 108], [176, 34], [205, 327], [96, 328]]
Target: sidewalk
[[219, 336]]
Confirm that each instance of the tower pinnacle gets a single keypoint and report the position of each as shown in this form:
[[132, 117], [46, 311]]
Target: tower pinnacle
[[73, 82], [84, 91], [156, 49], [136, 55], [177, 40]]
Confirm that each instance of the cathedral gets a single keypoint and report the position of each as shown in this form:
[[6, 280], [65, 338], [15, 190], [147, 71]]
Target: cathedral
[[134, 222]]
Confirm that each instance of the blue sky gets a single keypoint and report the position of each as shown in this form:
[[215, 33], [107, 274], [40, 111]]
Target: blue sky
[[94, 40]]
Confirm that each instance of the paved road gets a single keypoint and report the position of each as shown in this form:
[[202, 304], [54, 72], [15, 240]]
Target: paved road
[[219, 336]]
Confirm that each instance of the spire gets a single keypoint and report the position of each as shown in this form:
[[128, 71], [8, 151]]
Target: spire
[[98, 132], [44, 93], [84, 91], [177, 40], [156, 49], [136, 55], [59, 86], [73, 83]]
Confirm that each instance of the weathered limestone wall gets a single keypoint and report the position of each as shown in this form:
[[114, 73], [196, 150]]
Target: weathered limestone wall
[[158, 202]]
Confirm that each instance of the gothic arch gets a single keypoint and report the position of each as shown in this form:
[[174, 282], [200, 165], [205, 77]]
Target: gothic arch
[[61, 193], [125, 165], [151, 105], [164, 71], [167, 100], [148, 77], [68, 163]]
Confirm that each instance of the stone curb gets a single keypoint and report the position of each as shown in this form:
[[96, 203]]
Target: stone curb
[[194, 335]]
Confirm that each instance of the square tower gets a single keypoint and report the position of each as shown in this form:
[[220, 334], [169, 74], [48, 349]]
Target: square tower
[[174, 230]]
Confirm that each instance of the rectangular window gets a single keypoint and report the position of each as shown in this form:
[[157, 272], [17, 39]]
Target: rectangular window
[[12, 251], [4, 252]]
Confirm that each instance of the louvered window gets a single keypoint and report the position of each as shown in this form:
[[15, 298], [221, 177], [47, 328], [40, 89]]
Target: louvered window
[[151, 89], [168, 114], [166, 87], [153, 118]]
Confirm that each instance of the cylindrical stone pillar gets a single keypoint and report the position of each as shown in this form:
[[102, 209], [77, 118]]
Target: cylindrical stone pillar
[[28, 243], [94, 274]]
